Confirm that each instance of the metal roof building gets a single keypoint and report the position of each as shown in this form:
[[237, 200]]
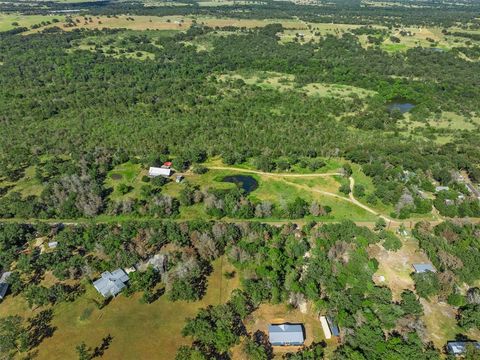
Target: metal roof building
[[156, 171], [459, 347], [421, 268], [4, 284], [111, 283], [286, 334]]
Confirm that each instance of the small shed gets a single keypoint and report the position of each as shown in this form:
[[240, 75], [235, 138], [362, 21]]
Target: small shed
[[111, 283], [52, 244], [422, 268], [286, 335], [333, 327], [167, 164], [4, 285], [179, 179], [441, 188], [159, 171], [325, 327], [459, 347]]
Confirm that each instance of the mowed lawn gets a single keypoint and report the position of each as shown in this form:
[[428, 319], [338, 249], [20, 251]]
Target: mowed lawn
[[152, 330]]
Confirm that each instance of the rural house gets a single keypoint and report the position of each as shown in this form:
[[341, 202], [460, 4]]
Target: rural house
[[286, 335], [459, 347], [422, 268], [159, 171], [111, 283]]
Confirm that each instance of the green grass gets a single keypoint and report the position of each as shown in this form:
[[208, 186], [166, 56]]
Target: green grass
[[129, 174], [27, 185], [6, 20], [152, 330]]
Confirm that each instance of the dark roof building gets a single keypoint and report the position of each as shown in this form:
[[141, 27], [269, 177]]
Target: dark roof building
[[333, 327], [286, 334], [459, 347]]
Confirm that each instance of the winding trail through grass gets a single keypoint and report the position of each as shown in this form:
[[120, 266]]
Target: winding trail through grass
[[279, 175]]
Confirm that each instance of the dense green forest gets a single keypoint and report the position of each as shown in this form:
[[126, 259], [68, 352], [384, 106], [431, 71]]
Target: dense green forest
[[102, 110], [85, 112]]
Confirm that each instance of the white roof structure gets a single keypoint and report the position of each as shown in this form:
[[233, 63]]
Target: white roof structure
[[53, 244], [156, 171], [325, 327], [111, 283], [422, 268], [441, 188], [4, 284], [459, 347], [286, 335]]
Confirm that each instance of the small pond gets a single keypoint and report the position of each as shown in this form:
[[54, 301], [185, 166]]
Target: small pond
[[401, 106], [245, 182]]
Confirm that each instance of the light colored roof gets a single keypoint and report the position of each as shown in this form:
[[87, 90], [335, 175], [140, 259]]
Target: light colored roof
[[325, 327], [459, 347], [442, 188], [156, 171], [421, 268], [5, 276], [286, 334], [111, 283], [52, 244]]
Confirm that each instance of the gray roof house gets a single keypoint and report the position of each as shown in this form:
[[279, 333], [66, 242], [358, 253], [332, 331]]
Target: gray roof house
[[286, 334], [111, 283], [459, 347], [421, 268], [4, 284]]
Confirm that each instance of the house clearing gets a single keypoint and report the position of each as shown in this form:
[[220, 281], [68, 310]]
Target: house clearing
[[111, 283]]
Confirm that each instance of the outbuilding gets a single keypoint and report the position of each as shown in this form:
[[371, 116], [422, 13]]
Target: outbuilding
[[159, 171], [422, 268], [111, 283], [4, 284], [286, 335], [460, 347]]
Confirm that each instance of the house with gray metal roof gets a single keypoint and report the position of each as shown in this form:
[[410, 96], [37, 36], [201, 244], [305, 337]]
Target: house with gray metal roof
[[460, 347], [422, 268], [4, 284], [111, 283], [286, 335]]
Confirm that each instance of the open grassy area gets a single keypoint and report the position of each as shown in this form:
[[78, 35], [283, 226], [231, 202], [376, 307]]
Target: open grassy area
[[268, 314], [284, 82], [27, 185], [152, 330], [170, 22], [6, 20], [128, 174]]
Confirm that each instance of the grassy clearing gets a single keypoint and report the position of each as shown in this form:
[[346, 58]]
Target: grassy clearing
[[128, 174], [171, 22], [27, 185], [6, 20], [286, 82], [153, 330]]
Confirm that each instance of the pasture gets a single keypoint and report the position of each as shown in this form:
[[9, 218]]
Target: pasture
[[153, 330]]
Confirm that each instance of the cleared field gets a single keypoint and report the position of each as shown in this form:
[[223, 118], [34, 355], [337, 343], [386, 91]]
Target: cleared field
[[6, 20], [170, 22], [153, 330], [285, 82], [268, 314], [127, 174], [27, 185]]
